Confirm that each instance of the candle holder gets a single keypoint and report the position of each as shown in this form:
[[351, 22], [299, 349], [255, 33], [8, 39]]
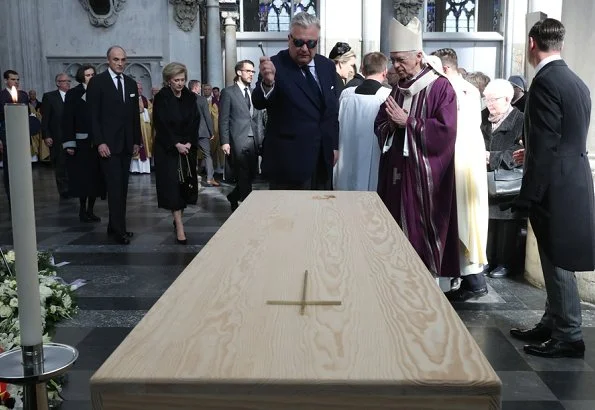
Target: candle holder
[[32, 367]]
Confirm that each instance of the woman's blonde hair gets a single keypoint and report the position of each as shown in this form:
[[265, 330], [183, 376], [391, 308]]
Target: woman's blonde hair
[[344, 58], [173, 69]]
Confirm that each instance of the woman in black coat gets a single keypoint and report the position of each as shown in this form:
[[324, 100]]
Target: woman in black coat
[[85, 179], [176, 120], [502, 128]]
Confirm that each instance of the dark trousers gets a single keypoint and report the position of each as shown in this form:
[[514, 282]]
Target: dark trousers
[[58, 158], [321, 179], [205, 148], [245, 168], [563, 304], [504, 246], [115, 171], [5, 173]]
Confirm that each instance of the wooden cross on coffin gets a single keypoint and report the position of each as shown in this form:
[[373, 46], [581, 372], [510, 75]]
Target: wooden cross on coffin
[[304, 302]]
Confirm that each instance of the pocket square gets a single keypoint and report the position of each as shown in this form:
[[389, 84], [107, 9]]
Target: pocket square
[[332, 87], [133, 95]]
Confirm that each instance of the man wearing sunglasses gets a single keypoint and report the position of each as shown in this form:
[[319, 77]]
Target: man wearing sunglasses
[[297, 87]]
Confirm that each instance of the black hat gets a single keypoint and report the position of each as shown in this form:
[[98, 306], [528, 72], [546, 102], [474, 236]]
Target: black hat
[[339, 49]]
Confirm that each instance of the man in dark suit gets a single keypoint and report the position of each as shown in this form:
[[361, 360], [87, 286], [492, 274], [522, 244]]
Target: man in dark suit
[[240, 131], [357, 79], [557, 174], [206, 131], [11, 79], [297, 89], [115, 130], [51, 127]]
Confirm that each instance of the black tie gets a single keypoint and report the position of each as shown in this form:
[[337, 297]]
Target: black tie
[[247, 98], [311, 80], [120, 88]]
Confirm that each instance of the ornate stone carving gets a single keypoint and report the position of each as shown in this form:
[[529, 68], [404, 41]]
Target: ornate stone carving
[[102, 13], [186, 12], [405, 10]]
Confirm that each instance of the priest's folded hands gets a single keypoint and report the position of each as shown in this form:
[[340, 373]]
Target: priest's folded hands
[[395, 113]]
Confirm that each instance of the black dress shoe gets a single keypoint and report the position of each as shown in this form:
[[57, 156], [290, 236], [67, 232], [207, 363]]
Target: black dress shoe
[[557, 348], [538, 334], [500, 271], [122, 239], [84, 218], [462, 295], [181, 241], [93, 218], [110, 231]]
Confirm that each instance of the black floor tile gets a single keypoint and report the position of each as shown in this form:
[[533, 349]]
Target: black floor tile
[[570, 385], [501, 354], [113, 259], [116, 303], [105, 337]]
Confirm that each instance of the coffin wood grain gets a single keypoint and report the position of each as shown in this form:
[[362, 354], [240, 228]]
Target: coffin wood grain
[[211, 341]]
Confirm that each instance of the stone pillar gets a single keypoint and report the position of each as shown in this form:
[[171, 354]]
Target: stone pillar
[[214, 56], [577, 17], [387, 12], [22, 48], [371, 16], [231, 45]]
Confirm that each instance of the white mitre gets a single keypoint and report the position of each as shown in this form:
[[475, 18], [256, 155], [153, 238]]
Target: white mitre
[[409, 38], [405, 38]]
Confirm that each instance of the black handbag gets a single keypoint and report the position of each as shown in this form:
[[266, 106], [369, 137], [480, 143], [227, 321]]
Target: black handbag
[[503, 183], [188, 180]]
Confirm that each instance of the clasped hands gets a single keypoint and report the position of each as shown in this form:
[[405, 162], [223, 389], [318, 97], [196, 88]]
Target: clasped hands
[[396, 114], [183, 149], [104, 151]]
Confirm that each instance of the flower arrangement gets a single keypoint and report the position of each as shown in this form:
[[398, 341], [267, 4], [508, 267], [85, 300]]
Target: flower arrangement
[[57, 303]]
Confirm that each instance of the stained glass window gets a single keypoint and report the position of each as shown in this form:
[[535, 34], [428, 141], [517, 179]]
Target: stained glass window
[[459, 16], [273, 15]]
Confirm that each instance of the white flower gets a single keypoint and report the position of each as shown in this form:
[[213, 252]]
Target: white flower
[[67, 301], [53, 309], [5, 311], [44, 293], [14, 302]]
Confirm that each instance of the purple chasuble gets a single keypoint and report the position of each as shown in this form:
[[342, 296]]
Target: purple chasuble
[[419, 189]]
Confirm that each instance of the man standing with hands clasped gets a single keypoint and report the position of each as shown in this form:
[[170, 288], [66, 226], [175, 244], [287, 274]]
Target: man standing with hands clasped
[[115, 131], [302, 133], [556, 174]]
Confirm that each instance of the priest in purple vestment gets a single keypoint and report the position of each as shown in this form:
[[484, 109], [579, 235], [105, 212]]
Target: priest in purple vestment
[[416, 129]]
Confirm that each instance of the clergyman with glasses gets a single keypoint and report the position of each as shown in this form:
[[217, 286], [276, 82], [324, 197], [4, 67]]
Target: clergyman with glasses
[[297, 87], [417, 129]]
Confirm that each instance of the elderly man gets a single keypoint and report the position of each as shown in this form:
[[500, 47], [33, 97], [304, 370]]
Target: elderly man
[[557, 190], [51, 127], [417, 129], [359, 154], [298, 90], [471, 183]]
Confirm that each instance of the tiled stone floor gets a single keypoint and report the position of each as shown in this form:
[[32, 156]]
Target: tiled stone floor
[[125, 281]]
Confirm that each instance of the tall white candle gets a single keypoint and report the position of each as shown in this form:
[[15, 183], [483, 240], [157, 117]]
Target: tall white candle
[[23, 222]]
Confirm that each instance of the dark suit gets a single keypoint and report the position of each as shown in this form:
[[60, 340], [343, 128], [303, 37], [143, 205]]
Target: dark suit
[[302, 127], [5, 98], [357, 80], [241, 128], [558, 185], [205, 131], [51, 127], [115, 121]]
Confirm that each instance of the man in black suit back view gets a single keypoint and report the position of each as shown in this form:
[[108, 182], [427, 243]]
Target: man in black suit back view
[[557, 191], [115, 131]]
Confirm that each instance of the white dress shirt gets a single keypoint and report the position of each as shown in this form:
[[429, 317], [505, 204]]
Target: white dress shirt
[[115, 80], [62, 94], [547, 60]]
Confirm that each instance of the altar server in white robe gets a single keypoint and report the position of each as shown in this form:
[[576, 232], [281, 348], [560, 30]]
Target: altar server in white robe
[[470, 180], [359, 152]]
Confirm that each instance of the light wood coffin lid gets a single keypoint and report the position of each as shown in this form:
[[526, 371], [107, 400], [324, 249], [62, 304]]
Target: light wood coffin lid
[[213, 333]]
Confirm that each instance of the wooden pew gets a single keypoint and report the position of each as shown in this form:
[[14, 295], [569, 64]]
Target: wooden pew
[[213, 342]]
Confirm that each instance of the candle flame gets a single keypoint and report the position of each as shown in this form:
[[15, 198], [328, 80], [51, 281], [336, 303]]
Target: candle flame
[[14, 94]]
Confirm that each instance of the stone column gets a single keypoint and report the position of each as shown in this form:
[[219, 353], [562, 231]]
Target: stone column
[[231, 46], [22, 48], [577, 17], [371, 17], [214, 56], [387, 12]]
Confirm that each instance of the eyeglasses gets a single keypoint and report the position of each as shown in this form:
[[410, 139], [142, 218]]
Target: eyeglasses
[[249, 71], [493, 100], [399, 60], [299, 43], [64, 81]]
